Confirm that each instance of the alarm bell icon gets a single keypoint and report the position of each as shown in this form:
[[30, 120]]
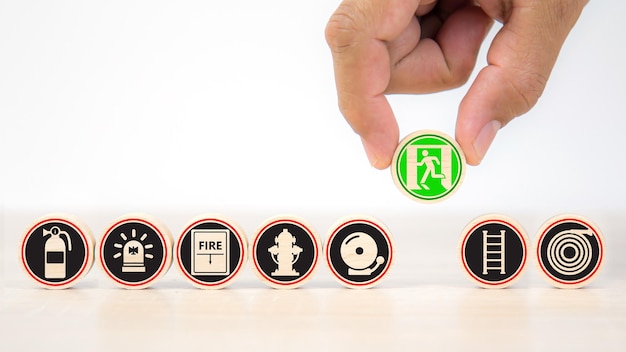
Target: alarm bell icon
[[360, 253]]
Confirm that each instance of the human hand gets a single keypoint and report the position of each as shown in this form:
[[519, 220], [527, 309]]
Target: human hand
[[422, 46]]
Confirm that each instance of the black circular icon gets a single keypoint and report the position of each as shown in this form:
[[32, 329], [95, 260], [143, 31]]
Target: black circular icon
[[57, 251], [359, 252], [134, 252], [569, 251], [285, 252], [211, 252], [494, 251]]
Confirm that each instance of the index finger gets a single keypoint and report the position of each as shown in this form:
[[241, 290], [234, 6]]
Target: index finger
[[357, 33]]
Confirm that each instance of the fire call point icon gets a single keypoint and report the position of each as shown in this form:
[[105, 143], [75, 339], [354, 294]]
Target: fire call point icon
[[493, 251], [428, 166], [211, 251], [285, 252], [359, 251], [57, 251], [135, 251], [570, 251]]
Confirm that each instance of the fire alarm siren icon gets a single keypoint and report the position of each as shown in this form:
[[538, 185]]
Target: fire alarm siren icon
[[133, 255], [135, 251]]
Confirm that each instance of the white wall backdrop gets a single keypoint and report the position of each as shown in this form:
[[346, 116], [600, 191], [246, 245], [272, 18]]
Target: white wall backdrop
[[177, 108], [133, 105]]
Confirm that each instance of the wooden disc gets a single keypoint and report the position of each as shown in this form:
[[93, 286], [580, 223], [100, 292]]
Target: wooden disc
[[359, 251], [493, 251], [569, 250], [428, 166], [211, 251], [285, 252], [57, 250], [135, 251]]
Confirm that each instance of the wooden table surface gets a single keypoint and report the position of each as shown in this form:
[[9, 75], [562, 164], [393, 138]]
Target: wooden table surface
[[426, 303]]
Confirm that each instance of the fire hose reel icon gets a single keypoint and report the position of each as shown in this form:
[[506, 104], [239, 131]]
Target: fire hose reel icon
[[570, 251]]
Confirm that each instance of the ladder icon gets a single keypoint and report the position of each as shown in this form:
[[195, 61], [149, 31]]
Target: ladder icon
[[493, 251]]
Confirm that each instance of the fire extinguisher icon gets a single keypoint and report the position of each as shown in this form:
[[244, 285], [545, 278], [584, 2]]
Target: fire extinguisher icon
[[55, 253]]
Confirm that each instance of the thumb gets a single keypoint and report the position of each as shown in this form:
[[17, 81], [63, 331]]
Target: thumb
[[520, 60]]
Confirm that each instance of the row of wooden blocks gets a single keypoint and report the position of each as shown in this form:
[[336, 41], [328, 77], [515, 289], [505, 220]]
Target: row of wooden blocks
[[568, 251], [136, 250]]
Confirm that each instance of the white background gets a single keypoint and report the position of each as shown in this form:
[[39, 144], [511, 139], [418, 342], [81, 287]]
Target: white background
[[214, 104], [179, 108]]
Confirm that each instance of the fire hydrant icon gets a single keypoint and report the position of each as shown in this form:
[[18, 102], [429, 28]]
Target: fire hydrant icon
[[285, 253]]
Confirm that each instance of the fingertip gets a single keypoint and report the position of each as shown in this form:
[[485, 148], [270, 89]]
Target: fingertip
[[487, 106], [476, 146], [468, 150], [484, 138], [378, 156]]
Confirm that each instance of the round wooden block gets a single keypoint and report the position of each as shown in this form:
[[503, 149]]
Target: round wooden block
[[285, 252], [211, 251], [359, 251], [569, 251], [57, 251], [135, 251], [428, 166], [493, 251]]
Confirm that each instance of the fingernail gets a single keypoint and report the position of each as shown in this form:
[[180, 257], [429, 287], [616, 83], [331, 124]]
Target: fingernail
[[372, 156], [485, 137]]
